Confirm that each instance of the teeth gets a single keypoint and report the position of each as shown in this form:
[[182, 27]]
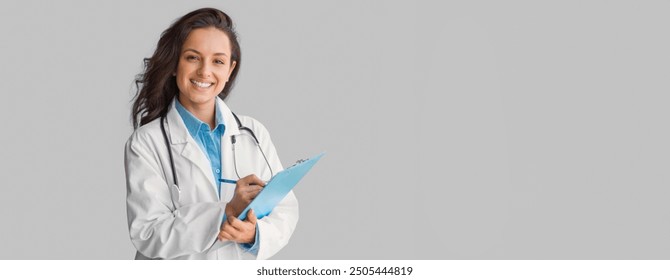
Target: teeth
[[202, 85]]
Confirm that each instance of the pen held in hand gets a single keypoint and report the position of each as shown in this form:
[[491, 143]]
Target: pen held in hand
[[228, 181]]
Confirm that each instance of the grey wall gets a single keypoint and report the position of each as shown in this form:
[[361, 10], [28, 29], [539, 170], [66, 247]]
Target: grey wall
[[454, 129]]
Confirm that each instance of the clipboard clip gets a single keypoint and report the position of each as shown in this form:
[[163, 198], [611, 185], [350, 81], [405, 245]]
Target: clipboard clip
[[298, 162]]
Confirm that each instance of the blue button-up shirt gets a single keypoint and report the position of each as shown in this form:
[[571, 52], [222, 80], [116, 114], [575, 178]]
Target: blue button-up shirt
[[209, 142]]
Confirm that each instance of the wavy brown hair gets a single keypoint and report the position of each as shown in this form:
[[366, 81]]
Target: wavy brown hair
[[156, 86]]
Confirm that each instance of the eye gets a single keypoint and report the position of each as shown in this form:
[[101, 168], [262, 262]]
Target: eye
[[191, 58], [218, 61]]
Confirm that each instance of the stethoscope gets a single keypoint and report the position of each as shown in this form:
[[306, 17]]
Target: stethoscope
[[233, 140]]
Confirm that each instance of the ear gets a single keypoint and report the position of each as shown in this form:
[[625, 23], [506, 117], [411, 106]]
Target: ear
[[232, 67]]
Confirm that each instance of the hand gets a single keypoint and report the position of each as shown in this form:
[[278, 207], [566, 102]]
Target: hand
[[246, 190], [239, 231]]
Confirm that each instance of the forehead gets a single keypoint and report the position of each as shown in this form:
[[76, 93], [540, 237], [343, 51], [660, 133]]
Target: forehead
[[207, 41]]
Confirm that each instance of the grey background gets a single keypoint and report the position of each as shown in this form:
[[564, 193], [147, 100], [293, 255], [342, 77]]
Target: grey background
[[454, 129]]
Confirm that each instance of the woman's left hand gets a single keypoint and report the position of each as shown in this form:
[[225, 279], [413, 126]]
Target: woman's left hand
[[239, 231]]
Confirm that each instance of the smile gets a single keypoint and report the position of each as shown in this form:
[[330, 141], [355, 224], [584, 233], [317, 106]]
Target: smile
[[202, 85]]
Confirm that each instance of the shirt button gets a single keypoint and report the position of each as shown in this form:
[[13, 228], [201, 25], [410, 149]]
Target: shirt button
[[218, 171]]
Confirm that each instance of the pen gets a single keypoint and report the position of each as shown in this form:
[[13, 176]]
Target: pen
[[234, 181], [228, 181]]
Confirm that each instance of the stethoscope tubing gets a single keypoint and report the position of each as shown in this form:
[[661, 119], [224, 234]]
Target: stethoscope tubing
[[233, 140]]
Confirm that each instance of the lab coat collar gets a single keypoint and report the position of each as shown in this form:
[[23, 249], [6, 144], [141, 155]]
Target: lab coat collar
[[179, 133], [228, 119]]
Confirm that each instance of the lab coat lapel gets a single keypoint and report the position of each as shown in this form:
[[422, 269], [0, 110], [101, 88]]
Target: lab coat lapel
[[193, 153], [180, 137]]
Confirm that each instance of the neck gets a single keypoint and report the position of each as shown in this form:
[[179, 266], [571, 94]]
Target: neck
[[204, 112]]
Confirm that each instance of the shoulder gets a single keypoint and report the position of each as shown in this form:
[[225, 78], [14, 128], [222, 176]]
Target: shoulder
[[145, 135], [252, 123], [256, 126]]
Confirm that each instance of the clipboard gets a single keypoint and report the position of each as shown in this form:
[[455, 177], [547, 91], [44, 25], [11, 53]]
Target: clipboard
[[278, 187]]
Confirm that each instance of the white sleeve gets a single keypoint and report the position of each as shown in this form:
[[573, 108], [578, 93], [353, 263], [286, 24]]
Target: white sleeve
[[276, 228], [156, 230]]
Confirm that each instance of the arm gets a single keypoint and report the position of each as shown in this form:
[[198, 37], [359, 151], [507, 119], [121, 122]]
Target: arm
[[157, 230]]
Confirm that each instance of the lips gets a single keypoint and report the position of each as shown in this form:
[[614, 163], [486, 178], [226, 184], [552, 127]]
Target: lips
[[201, 84]]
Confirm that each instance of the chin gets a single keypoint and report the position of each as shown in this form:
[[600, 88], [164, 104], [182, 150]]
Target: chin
[[199, 98]]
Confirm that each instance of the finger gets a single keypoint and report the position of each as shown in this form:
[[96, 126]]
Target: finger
[[237, 224], [251, 192], [251, 217], [253, 180], [221, 236], [225, 224], [226, 236], [251, 195], [253, 189], [233, 233]]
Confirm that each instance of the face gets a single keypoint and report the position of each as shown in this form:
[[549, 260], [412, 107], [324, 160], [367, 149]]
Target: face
[[204, 67]]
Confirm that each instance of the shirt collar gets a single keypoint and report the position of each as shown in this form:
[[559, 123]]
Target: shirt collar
[[193, 124]]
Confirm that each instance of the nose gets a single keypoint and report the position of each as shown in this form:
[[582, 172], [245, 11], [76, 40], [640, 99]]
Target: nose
[[204, 70]]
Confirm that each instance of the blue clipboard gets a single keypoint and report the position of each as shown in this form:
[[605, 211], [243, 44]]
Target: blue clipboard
[[278, 187]]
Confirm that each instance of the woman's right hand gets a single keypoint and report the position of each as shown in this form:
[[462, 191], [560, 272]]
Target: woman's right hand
[[246, 190]]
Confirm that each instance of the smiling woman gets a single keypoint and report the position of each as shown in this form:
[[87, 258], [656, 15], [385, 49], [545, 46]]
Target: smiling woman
[[184, 189], [203, 70], [156, 86]]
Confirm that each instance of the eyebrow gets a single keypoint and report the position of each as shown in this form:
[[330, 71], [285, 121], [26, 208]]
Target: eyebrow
[[216, 54]]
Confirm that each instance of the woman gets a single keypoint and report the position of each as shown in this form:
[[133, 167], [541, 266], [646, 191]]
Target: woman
[[191, 164]]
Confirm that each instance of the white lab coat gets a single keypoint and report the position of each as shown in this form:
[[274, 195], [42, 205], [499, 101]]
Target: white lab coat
[[158, 230]]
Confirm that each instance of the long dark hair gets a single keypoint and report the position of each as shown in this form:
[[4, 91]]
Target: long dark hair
[[156, 86]]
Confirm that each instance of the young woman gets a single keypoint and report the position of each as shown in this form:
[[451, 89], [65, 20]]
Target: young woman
[[191, 164]]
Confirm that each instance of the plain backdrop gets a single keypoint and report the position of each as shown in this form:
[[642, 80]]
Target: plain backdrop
[[453, 129]]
